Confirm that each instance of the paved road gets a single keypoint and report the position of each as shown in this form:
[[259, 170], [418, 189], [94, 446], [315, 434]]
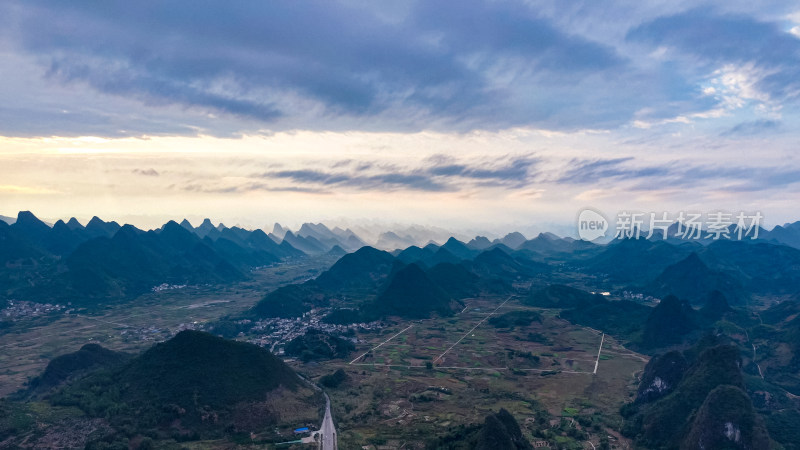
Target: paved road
[[327, 430], [376, 347], [473, 329], [600, 349]]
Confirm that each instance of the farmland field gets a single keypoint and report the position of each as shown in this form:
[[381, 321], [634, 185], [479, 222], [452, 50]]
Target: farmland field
[[427, 377]]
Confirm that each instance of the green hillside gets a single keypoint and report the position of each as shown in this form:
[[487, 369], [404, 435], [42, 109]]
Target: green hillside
[[65, 367], [194, 384], [411, 294], [662, 417]]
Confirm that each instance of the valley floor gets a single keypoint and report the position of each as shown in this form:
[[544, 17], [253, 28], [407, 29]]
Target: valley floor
[[134, 326], [422, 379], [409, 382]]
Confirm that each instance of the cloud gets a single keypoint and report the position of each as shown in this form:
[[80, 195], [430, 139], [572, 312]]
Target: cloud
[[513, 29], [148, 68], [146, 172], [604, 170], [628, 174], [515, 170], [437, 173], [382, 182], [453, 66], [714, 39], [26, 190], [248, 187], [752, 127], [742, 179]]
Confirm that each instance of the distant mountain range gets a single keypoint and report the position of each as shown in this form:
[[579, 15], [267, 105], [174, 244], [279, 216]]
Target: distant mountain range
[[690, 271], [382, 284], [105, 261], [319, 238]]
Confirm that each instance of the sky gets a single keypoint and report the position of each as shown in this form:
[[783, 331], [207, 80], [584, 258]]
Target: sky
[[485, 116]]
